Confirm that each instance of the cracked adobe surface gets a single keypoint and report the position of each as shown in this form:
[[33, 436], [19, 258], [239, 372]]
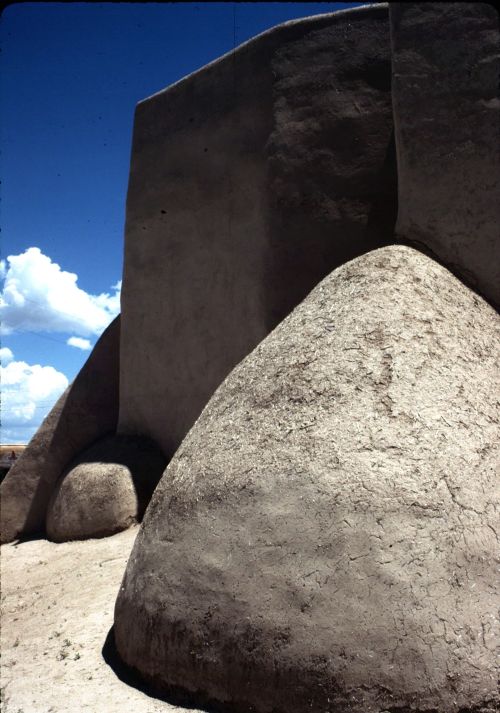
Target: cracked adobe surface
[[325, 537]]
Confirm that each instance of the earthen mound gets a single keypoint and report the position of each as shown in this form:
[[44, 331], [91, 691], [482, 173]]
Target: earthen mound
[[106, 489], [325, 537]]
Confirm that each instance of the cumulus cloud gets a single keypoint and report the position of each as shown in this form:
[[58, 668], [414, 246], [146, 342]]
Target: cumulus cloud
[[80, 343], [28, 393], [40, 297], [6, 355]]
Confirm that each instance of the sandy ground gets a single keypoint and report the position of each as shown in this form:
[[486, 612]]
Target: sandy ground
[[57, 609]]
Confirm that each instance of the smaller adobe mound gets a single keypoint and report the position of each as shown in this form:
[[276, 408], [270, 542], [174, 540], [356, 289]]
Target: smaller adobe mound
[[106, 489], [325, 537]]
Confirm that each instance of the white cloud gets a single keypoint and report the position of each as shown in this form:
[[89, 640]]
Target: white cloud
[[6, 355], [80, 343], [28, 394], [40, 297]]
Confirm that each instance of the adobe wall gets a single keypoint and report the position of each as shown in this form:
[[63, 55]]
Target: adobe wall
[[250, 181], [446, 97]]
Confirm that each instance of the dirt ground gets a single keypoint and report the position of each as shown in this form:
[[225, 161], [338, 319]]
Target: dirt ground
[[57, 609]]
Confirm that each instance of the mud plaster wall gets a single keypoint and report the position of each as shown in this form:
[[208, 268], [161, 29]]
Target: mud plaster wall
[[446, 96], [250, 180]]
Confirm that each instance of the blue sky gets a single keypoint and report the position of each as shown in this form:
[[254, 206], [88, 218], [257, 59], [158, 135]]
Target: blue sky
[[71, 75]]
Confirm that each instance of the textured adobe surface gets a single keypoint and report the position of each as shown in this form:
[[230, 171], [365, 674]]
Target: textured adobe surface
[[250, 180], [325, 537], [446, 64], [87, 410], [106, 489]]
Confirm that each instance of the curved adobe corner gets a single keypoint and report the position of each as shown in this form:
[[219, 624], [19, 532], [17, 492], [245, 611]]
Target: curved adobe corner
[[87, 410]]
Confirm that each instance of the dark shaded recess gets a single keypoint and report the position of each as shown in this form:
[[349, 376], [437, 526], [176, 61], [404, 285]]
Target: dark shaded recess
[[331, 157], [384, 208], [376, 75]]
